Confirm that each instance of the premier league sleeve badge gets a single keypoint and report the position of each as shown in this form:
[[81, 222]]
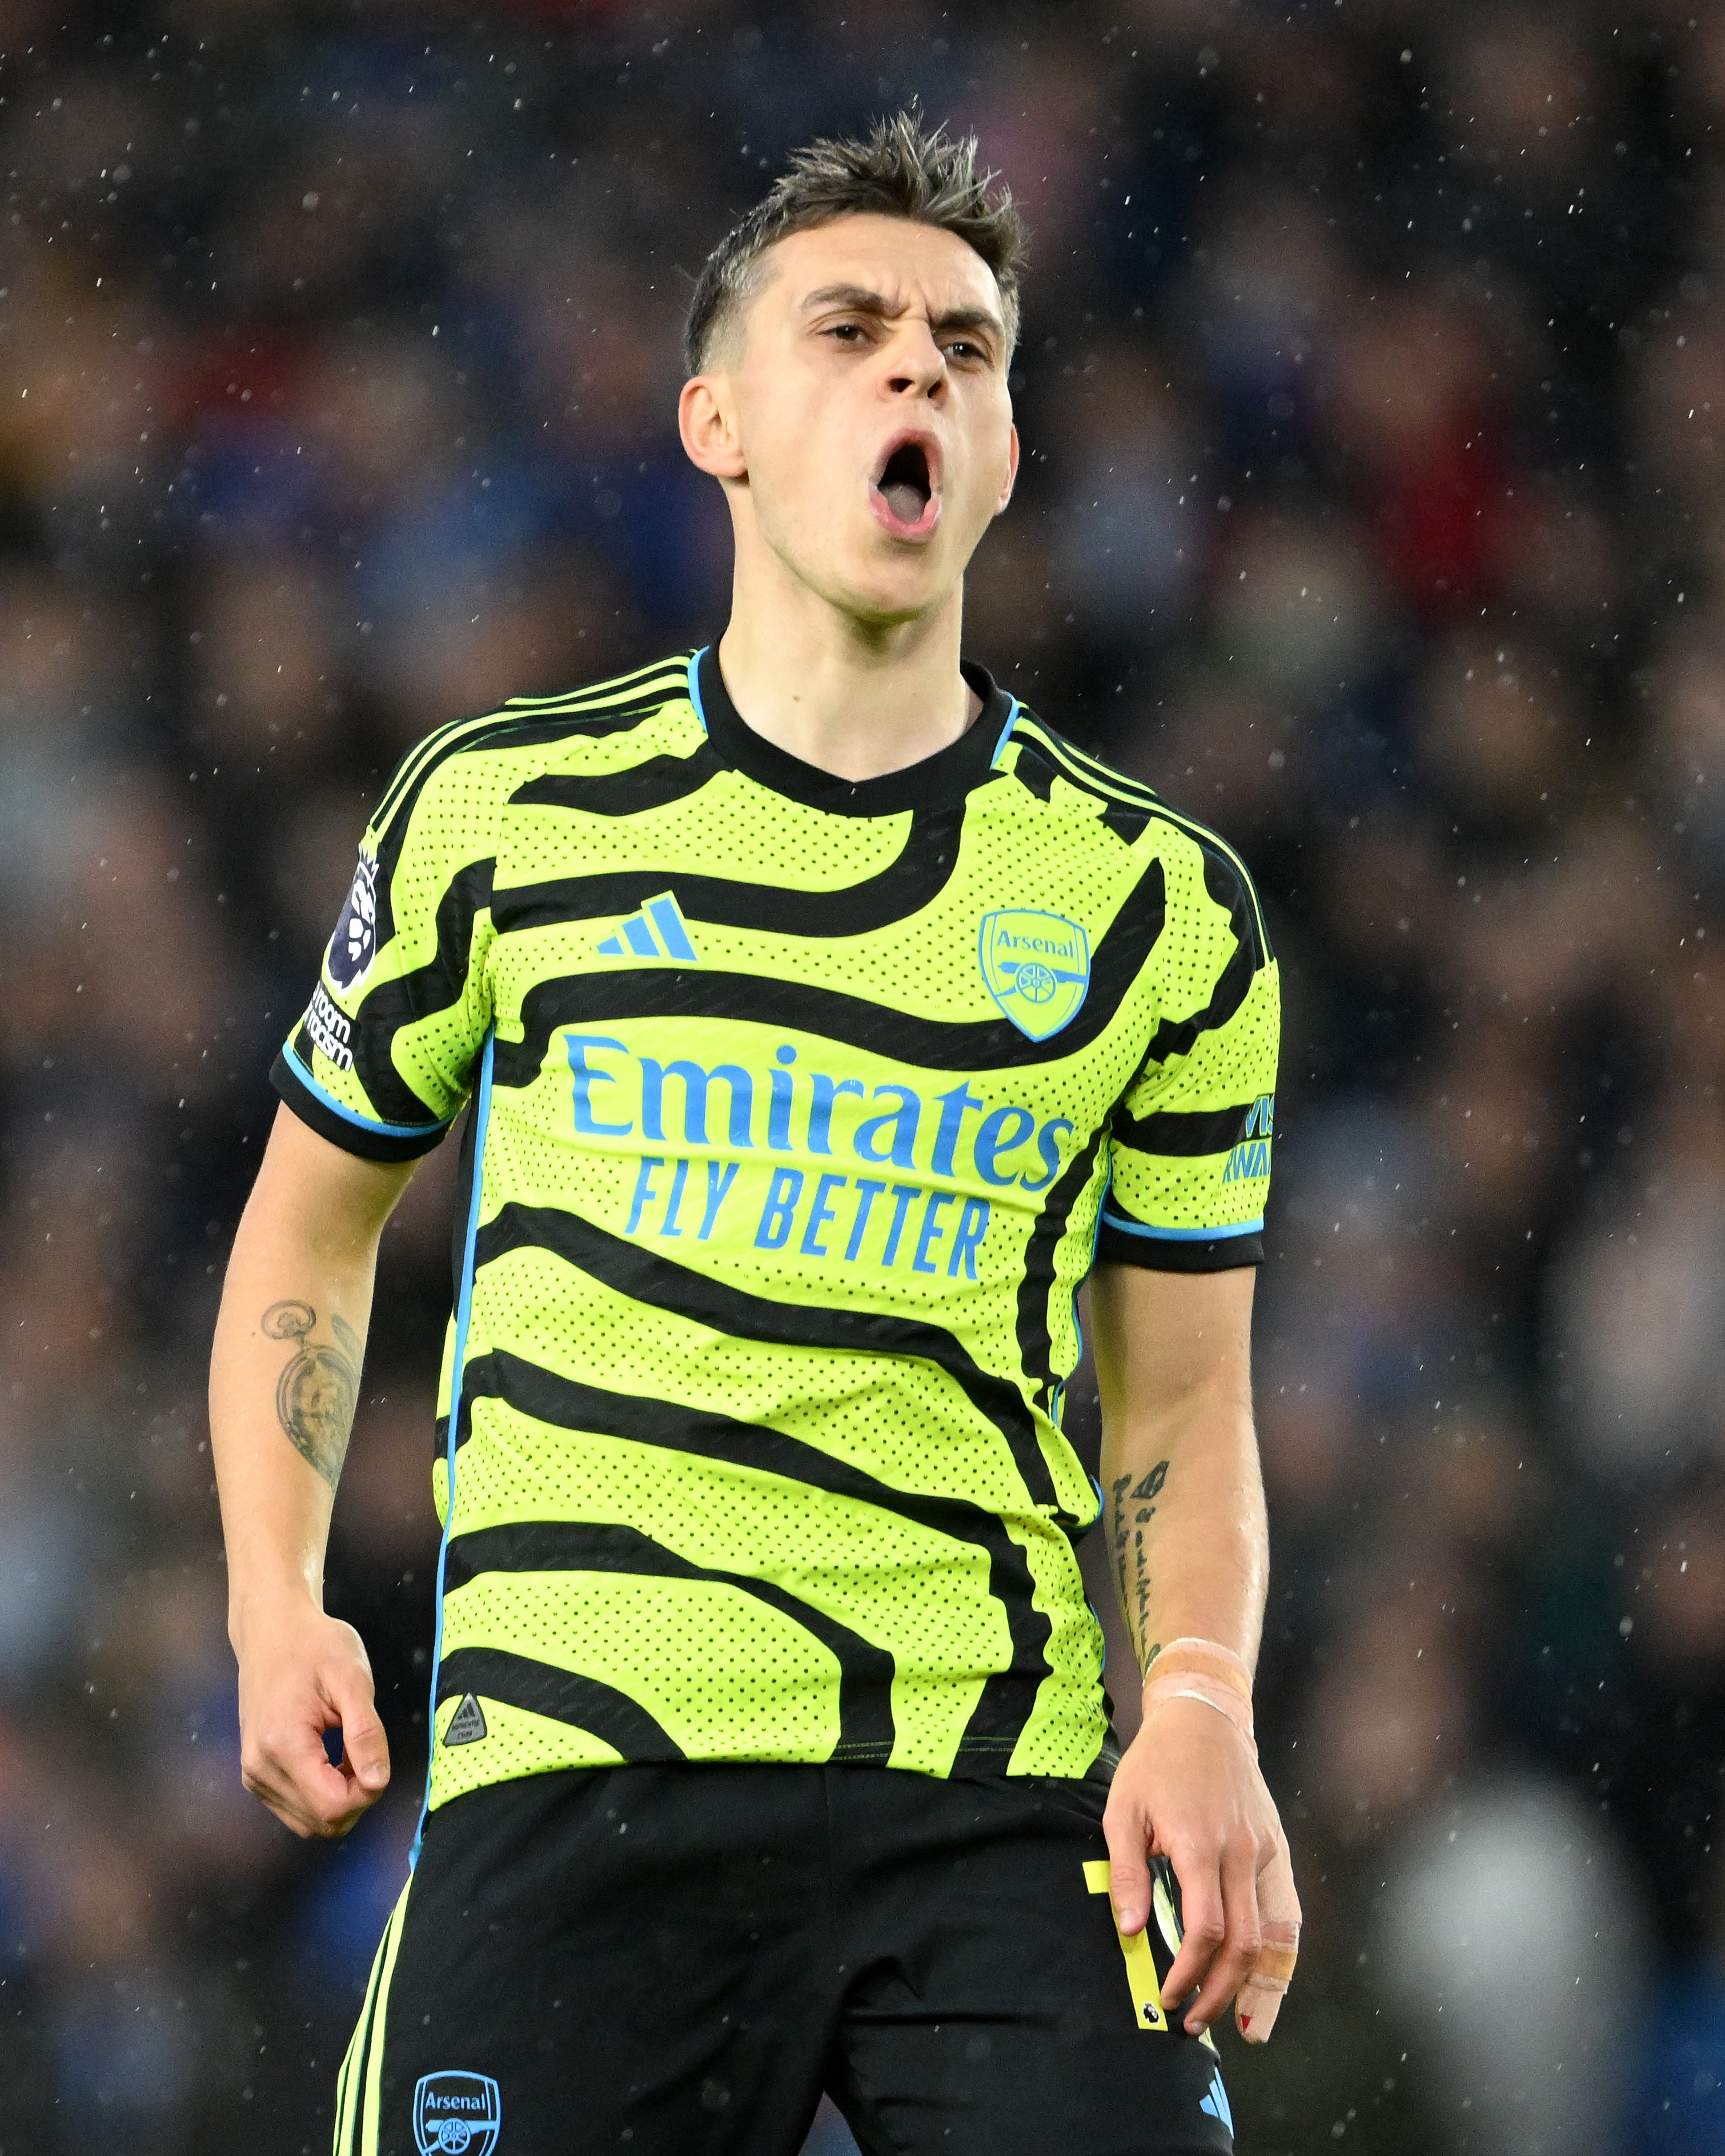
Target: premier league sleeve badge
[[354, 944]]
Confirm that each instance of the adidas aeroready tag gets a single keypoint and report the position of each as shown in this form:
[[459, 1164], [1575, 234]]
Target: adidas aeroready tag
[[467, 1724]]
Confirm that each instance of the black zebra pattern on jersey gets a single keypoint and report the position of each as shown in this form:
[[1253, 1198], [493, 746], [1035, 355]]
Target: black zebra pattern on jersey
[[865, 1671], [1184, 1135], [661, 1284], [1008, 1696], [913, 880], [658, 782]]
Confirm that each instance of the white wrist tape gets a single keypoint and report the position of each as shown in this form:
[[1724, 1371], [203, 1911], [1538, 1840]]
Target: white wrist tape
[[1203, 1669]]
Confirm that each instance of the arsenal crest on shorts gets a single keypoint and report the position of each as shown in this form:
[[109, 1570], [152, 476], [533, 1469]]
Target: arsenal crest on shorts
[[354, 944], [457, 2114], [1037, 966]]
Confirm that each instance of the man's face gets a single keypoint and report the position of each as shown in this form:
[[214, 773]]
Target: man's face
[[866, 387]]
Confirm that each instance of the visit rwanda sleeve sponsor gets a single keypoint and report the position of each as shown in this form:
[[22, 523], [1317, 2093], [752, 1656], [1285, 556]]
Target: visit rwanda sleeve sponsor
[[801, 1109]]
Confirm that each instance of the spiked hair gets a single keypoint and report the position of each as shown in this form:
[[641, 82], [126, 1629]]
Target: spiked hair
[[901, 170]]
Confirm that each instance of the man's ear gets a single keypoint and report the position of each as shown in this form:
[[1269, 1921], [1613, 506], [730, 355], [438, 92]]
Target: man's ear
[[1012, 469], [707, 421]]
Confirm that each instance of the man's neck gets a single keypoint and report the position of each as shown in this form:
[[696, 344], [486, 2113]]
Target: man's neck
[[852, 699]]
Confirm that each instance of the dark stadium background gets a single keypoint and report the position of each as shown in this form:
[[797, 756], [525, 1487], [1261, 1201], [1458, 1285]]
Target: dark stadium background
[[1373, 388]]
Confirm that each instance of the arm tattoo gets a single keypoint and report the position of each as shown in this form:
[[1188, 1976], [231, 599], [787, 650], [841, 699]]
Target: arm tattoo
[[1133, 1510], [316, 1397]]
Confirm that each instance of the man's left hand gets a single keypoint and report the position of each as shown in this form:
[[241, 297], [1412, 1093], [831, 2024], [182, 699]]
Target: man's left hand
[[1189, 1789]]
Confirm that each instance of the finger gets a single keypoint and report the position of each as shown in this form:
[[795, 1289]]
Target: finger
[[1267, 1980], [1203, 1924], [1241, 1939], [289, 1772], [333, 1802], [365, 1748], [1128, 1870], [288, 1768], [257, 1780]]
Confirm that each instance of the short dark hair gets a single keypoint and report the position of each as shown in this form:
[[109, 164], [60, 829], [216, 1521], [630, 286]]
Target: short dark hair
[[901, 170]]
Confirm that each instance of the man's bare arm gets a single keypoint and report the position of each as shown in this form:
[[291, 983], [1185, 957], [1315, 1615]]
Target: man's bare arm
[[1188, 1542], [1184, 1517], [283, 1386]]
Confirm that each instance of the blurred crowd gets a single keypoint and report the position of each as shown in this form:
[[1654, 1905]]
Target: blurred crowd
[[1373, 390]]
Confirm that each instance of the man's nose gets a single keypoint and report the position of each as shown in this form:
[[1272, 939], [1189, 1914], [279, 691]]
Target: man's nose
[[917, 366]]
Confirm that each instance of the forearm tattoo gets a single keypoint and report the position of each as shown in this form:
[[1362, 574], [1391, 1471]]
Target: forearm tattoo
[[315, 1396], [1133, 1510]]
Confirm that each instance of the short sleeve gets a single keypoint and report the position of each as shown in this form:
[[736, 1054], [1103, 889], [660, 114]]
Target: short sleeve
[[382, 1060], [1190, 1143]]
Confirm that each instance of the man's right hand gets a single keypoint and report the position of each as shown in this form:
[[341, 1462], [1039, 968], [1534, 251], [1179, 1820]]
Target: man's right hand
[[299, 1676]]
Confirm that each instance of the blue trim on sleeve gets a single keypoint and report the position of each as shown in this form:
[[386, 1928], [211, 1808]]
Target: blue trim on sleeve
[[694, 688], [1185, 1234], [348, 1115], [464, 1313]]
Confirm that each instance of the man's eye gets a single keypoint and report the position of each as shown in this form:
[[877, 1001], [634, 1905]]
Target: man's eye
[[847, 330]]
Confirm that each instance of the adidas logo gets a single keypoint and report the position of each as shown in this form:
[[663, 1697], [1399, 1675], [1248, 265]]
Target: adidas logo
[[467, 1724], [1216, 2104], [658, 931]]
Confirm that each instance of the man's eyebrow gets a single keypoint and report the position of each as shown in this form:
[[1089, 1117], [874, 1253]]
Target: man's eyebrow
[[862, 301]]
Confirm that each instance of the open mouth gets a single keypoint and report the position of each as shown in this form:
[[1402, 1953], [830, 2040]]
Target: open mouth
[[906, 489], [905, 482]]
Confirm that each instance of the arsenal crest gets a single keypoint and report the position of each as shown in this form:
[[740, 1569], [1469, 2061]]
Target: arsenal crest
[[457, 2114], [1037, 968]]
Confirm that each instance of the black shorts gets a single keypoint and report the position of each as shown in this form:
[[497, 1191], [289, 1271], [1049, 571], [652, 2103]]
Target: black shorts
[[677, 1960]]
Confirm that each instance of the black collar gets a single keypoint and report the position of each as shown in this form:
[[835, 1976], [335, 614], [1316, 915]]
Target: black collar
[[946, 775]]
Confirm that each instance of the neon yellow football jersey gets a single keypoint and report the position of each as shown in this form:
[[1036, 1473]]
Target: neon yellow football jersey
[[801, 1109]]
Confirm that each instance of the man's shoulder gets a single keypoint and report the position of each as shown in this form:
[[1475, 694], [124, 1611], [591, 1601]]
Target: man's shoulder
[[619, 699], [1132, 809], [490, 755], [1046, 758]]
